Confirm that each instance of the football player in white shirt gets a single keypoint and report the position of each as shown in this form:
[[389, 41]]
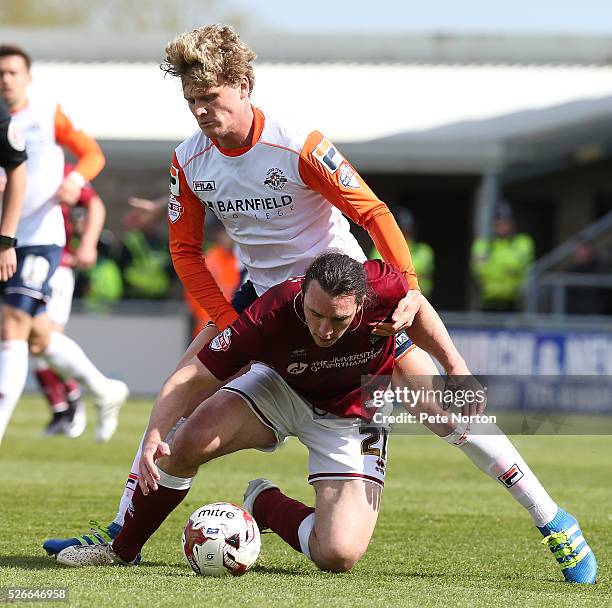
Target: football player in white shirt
[[41, 238]]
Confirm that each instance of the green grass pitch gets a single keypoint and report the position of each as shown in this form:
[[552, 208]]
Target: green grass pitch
[[447, 535]]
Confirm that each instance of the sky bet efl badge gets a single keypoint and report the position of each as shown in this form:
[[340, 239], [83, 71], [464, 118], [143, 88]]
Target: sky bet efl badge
[[175, 209]]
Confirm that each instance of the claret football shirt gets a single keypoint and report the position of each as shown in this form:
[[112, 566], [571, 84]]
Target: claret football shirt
[[273, 331]]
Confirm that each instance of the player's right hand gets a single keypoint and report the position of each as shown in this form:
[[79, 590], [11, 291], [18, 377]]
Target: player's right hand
[[8, 263], [153, 448]]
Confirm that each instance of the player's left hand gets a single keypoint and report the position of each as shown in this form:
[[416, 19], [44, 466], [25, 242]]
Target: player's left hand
[[85, 256], [403, 315], [69, 192]]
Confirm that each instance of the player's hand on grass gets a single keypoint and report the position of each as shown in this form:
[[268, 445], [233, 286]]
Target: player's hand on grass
[[153, 448], [8, 263], [402, 316]]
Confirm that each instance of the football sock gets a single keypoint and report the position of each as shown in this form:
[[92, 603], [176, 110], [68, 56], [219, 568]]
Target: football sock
[[130, 486], [284, 516], [493, 453], [132, 480], [68, 357], [304, 532], [73, 390], [13, 375], [52, 387], [146, 514]]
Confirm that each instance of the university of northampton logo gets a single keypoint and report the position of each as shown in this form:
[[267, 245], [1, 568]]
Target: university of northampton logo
[[275, 179]]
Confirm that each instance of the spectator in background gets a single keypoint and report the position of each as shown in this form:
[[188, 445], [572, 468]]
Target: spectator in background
[[587, 300], [144, 259], [422, 254], [500, 263], [101, 285], [219, 254]]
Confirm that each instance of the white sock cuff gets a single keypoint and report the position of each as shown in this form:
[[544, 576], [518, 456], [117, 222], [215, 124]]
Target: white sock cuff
[[14, 345], [174, 483], [304, 534], [459, 435]]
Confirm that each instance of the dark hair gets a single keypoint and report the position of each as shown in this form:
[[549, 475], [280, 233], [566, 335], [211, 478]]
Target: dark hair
[[338, 275], [6, 50]]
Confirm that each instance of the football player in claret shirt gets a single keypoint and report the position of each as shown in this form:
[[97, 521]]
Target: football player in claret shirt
[[313, 338], [46, 127], [283, 196]]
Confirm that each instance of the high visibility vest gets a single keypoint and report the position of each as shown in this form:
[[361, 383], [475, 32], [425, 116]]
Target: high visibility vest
[[424, 264], [500, 266], [145, 276], [105, 284]]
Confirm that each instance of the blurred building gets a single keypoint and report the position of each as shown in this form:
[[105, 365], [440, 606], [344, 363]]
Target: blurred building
[[447, 125]]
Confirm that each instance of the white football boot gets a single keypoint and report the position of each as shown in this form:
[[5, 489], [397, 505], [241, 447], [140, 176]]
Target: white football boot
[[108, 405]]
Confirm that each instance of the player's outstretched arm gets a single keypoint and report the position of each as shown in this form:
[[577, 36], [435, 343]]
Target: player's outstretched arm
[[429, 333], [179, 389]]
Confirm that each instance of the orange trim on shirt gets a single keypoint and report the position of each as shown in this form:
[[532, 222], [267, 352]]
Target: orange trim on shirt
[[258, 125], [186, 237], [83, 146], [321, 166]]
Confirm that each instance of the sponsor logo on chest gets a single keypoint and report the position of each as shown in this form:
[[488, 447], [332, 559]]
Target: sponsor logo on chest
[[235, 200]]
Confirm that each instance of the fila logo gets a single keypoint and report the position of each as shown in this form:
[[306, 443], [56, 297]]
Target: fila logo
[[204, 186], [175, 188], [511, 476], [328, 156]]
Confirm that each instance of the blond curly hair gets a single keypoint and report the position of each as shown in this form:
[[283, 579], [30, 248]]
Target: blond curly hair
[[208, 53]]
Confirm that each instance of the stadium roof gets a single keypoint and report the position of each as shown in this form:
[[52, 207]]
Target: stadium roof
[[389, 116], [273, 46]]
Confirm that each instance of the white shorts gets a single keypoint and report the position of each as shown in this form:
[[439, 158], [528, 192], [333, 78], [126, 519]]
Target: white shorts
[[60, 300], [338, 448]]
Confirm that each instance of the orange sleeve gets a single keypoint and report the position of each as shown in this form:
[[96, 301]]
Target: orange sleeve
[[90, 159], [326, 171], [186, 227]]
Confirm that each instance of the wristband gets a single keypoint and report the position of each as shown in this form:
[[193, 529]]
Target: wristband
[[6, 242], [77, 178]]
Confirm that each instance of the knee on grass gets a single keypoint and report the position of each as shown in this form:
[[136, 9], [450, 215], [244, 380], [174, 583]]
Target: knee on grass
[[336, 558]]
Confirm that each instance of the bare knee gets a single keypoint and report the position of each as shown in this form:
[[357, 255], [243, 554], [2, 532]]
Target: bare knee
[[16, 324], [37, 343], [192, 446], [336, 557]]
